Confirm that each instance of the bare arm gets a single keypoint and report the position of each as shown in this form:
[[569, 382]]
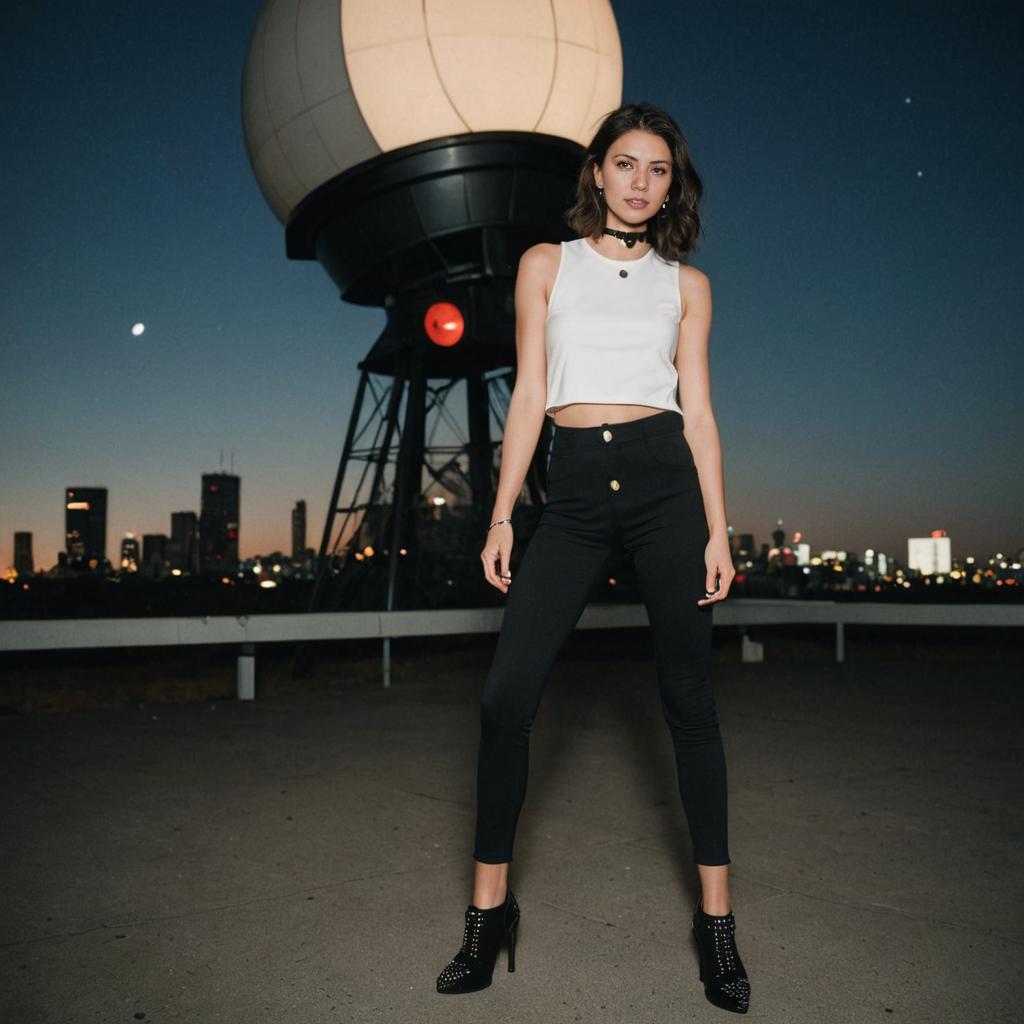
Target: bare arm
[[526, 408], [699, 425], [525, 418], [695, 393]]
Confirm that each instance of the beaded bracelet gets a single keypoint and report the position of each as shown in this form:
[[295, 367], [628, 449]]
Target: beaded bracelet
[[497, 522]]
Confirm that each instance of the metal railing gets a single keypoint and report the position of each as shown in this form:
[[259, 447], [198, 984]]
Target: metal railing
[[248, 630]]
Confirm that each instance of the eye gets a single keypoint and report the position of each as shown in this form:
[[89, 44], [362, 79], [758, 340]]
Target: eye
[[622, 163]]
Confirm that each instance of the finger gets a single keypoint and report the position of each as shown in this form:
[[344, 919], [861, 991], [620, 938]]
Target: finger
[[488, 560], [712, 594], [491, 561]]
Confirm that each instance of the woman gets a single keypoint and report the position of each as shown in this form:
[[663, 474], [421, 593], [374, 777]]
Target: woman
[[611, 342]]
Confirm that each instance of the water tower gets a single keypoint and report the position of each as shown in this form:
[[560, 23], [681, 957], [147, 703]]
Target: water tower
[[416, 148]]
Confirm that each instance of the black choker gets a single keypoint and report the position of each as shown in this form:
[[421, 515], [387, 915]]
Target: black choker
[[628, 238]]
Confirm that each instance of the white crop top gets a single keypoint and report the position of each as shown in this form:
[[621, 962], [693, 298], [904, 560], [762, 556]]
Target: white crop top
[[612, 330]]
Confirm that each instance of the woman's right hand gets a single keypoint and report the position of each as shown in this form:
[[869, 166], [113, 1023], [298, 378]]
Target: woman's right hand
[[495, 556]]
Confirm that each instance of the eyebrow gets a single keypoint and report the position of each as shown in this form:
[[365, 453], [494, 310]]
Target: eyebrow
[[631, 157]]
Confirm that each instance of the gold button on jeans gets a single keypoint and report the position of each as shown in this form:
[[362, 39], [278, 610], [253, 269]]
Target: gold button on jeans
[[614, 485], [607, 435]]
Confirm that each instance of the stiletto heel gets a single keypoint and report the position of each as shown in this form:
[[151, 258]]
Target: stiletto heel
[[727, 985], [472, 968], [512, 947]]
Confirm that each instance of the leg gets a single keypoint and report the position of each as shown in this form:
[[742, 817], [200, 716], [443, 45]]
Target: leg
[[669, 556], [671, 570], [490, 884], [547, 597], [714, 887]]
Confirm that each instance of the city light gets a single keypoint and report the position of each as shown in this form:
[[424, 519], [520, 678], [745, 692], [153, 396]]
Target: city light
[[782, 567]]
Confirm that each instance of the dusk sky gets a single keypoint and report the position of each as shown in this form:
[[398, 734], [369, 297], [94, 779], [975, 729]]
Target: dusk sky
[[863, 227]]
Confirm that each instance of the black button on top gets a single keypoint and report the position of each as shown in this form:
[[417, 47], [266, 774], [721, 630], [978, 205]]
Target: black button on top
[[623, 273]]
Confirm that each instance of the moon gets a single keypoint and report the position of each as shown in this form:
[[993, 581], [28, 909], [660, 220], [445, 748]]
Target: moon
[[138, 329]]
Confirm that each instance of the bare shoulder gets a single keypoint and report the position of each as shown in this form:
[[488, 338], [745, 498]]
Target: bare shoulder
[[542, 252], [694, 288], [538, 265], [540, 258]]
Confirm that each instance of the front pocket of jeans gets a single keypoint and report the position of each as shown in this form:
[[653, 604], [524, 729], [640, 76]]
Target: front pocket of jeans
[[670, 450]]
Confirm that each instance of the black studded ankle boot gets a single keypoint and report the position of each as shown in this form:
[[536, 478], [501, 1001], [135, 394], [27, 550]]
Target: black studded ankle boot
[[721, 969], [472, 967]]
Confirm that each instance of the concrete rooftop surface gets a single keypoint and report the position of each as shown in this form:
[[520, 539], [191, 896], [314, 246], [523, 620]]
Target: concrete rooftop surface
[[306, 856]]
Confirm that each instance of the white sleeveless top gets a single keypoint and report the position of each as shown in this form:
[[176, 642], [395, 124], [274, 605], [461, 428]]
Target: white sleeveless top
[[612, 338]]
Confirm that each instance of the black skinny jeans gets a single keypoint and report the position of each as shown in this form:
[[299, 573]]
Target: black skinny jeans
[[632, 486]]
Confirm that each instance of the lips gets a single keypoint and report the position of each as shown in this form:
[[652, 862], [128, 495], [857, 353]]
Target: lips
[[639, 204]]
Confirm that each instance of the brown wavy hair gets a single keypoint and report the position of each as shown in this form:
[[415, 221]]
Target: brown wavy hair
[[673, 231]]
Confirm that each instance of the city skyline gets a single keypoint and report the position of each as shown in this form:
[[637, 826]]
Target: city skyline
[[864, 353], [794, 536]]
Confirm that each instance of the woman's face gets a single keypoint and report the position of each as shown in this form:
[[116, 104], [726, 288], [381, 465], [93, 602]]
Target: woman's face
[[636, 174]]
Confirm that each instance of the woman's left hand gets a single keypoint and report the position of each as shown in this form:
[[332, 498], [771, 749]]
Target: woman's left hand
[[718, 560]]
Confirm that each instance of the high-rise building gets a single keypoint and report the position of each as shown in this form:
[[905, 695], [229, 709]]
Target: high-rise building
[[154, 555], [218, 523], [183, 548], [930, 555], [130, 554], [298, 530], [23, 563], [85, 527]]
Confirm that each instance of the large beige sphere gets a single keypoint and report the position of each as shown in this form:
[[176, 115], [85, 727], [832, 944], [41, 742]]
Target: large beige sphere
[[331, 83]]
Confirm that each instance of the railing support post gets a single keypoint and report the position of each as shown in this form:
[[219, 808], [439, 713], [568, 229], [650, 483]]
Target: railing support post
[[750, 650], [247, 672]]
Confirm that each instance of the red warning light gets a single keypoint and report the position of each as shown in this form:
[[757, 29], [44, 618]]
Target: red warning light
[[444, 324]]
